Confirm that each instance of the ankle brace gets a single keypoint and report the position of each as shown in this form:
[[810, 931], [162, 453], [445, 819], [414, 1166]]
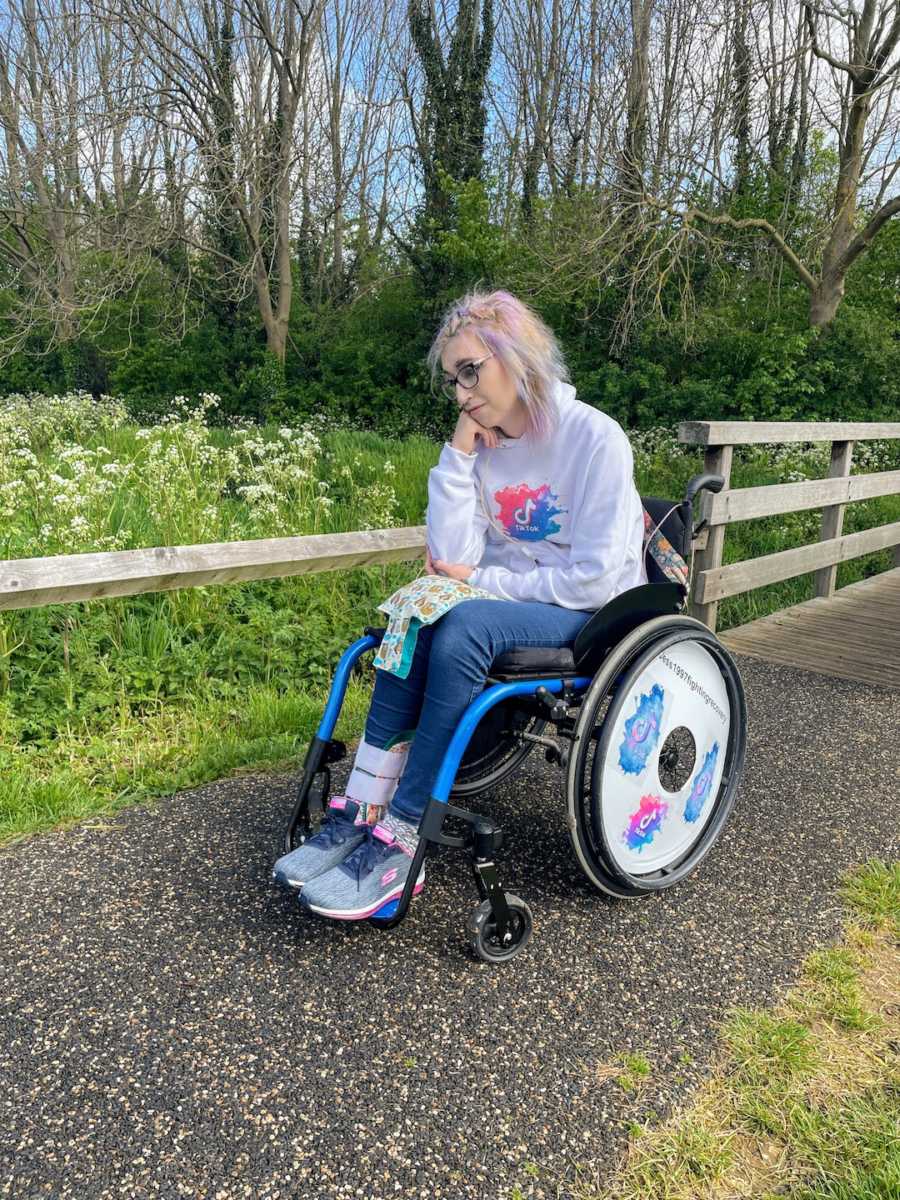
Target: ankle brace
[[374, 778], [403, 832]]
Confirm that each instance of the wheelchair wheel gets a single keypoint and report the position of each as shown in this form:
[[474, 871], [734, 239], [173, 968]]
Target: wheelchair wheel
[[482, 931], [496, 749], [657, 757]]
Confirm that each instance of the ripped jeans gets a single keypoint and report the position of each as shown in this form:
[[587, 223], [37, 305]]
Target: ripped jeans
[[448, 670]]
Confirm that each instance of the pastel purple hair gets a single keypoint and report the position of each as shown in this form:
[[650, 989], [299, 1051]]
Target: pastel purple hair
[[521, 341]]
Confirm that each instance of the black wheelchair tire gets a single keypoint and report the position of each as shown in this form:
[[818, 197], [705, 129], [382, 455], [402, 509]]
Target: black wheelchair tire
[[625, 661], [482, 934], [489, 760]]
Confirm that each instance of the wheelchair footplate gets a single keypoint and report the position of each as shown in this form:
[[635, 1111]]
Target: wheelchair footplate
[[501, 925]]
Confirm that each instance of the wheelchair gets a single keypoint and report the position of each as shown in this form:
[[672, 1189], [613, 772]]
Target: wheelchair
[[646, 716]]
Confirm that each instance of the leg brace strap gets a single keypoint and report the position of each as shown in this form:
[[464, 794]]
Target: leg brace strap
[[376, 773]]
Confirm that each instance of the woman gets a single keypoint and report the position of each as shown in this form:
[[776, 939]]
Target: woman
[[532, 502]]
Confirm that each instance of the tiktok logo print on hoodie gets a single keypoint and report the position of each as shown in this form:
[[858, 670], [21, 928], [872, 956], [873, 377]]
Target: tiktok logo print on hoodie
[[527, 513]]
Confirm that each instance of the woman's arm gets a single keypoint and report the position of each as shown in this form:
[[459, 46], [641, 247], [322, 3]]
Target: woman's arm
[[456, 527], [457, 524]]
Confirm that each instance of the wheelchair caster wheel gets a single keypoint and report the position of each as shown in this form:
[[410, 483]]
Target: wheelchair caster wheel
[[482, 930]]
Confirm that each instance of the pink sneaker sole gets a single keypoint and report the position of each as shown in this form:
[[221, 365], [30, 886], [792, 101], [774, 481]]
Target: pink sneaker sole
[[360, 914]]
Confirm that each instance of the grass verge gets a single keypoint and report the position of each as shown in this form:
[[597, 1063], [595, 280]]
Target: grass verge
[[140, 758], [803, 1103]]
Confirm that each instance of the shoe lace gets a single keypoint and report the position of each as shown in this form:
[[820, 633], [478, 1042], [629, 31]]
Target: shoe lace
[[366, 856], [333, 828]]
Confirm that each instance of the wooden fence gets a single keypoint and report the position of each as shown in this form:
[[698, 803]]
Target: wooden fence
[[711, 582], [34, 582]]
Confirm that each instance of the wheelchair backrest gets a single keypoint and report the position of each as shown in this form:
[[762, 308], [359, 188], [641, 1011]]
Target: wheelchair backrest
[[672, 527]]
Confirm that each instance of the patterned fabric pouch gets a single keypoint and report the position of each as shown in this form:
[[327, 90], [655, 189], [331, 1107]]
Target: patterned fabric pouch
[[664, 553], [415, 604]]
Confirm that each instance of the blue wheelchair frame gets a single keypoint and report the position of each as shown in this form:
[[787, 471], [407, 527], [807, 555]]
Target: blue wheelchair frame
[[431, 828]]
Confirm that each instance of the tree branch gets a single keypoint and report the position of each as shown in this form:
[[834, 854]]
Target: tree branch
[[864, 238], [689, 215], [823, 54]]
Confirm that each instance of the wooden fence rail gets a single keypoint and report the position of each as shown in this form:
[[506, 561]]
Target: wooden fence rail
[[34, 582], [711, 582]]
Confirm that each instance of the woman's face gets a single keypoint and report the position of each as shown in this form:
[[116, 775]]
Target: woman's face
[[493, 401]]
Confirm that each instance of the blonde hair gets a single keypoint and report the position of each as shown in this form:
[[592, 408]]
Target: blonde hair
[[520, 339]]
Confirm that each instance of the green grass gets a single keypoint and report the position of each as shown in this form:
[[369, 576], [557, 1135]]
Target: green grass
[[803, 1103], [851, 1150], [635, 1069], [833, 988], [83, 775], [872, 892]]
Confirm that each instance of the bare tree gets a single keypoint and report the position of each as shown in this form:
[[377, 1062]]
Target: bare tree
[[637, 87], [871, 40], [74, 173], [251, 172], [358, 97], [861, 50]]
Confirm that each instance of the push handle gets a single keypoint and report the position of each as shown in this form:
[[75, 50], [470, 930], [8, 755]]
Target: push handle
[[705, 482], [710, 483]]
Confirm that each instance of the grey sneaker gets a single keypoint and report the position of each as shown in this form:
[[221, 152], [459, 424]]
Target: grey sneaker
[[338, 836], [368, 878]]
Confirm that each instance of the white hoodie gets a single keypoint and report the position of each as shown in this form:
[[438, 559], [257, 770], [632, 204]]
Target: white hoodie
[[560, 522]]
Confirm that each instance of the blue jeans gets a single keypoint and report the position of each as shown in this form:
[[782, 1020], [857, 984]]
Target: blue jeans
[[448, 670]]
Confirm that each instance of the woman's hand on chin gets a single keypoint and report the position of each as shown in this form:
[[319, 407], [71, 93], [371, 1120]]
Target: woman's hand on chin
[[468, 430], [453, 570]]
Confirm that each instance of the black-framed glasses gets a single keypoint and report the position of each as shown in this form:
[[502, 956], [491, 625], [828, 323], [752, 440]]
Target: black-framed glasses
[[466, 375]]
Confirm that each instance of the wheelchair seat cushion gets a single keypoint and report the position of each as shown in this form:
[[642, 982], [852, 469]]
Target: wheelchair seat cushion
[[605, 629], [533, 660]]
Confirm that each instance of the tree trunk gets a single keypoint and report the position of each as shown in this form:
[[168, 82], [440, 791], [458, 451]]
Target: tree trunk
[[824, 300], [634, 148], [741, 60]]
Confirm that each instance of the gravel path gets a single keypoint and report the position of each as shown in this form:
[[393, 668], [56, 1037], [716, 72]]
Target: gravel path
[[172, 1025]]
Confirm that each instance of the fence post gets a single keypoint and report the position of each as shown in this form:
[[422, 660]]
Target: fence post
[[718, 461], [833, 516]]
